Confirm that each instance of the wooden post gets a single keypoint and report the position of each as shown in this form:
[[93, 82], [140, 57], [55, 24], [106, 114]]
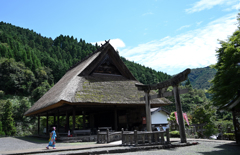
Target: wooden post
[[107, 140], [148, 112], [54, 119], [58, 122], [67, 121], [135, 138], [38, 124], [180, 115], [73, 118], [123, 137], [115, 119], [84, 120], [47, 125], [98, 140], [168, 137]]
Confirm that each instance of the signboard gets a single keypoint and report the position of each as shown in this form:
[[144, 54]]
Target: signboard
[[144, 120]]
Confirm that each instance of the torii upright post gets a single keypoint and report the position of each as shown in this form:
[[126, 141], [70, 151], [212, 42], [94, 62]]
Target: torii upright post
[[161, 87], [179, 114]]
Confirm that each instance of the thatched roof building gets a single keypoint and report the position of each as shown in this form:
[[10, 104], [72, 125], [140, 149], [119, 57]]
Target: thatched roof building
[[99, 80]]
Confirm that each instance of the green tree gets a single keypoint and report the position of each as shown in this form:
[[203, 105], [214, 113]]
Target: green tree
[[226, 81], [41, 90], [8, 121], [205, 114], [1, 131]]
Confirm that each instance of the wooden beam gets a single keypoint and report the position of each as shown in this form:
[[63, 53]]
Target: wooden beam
[[165, 94], [171, 82], [180, 115]]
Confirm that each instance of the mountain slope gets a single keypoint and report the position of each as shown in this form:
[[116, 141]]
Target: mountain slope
[[200, 77]]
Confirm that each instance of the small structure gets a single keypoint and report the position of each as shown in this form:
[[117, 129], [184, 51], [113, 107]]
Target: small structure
[[101, 89], [159, 117], [234, 106]]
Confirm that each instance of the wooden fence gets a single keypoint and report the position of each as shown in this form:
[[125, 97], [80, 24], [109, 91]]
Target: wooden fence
[[145, 138], [134, 137], [107, 137]]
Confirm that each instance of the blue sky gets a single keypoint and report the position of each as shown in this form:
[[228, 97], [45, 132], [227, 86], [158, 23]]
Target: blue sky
[[166, 35]]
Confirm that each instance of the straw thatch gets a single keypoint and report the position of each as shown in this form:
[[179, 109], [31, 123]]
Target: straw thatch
[[84, 84]]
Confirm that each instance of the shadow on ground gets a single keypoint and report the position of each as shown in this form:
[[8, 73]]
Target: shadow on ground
[[32, 139], [225, 149]]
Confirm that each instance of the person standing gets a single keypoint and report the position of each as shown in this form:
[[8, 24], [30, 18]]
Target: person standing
[[52, 141]]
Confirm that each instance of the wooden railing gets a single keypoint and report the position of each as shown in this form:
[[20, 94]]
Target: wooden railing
[[134, 137], [107, 137], [145, 138]]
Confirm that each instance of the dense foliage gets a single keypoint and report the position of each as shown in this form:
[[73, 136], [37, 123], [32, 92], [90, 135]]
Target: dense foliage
[[200, 77], [8, 121], [226, 83]]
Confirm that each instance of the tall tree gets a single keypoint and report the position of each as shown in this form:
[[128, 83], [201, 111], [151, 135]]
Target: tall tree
[[8, 122], [226, 81]]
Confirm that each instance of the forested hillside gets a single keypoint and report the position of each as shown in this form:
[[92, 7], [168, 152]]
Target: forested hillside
[[44, 60], [200, 77]]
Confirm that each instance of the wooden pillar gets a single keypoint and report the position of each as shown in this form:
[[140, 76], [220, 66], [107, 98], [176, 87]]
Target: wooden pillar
[[180, 115], [58, 121], [73, 118], [115, 119], [54, 119], [84, 120], [47, 125], [67, 121], [38, 124], [235, 127], [148, 112]]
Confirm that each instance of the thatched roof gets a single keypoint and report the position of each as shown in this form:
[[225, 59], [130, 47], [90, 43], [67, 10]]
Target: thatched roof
[[101, 78]]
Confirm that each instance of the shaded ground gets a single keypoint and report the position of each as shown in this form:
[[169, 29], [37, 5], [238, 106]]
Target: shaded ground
[[203, 148]]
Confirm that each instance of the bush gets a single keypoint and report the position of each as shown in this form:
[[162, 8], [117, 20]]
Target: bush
[[2, 93], [174, 134], [229, 136]]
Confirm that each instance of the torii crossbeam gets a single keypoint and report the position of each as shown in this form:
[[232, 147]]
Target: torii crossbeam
[[162, 86]]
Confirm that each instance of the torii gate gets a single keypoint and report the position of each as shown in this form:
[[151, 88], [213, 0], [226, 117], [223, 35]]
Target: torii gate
[[162, 86]]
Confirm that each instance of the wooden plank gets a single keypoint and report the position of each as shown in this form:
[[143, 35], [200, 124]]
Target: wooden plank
[[165, 94]]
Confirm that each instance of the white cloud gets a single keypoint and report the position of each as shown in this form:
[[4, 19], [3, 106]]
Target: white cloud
[[116, 43], [198, 23], [185, 26], [193, 49], [208, 4], [148, 13]]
